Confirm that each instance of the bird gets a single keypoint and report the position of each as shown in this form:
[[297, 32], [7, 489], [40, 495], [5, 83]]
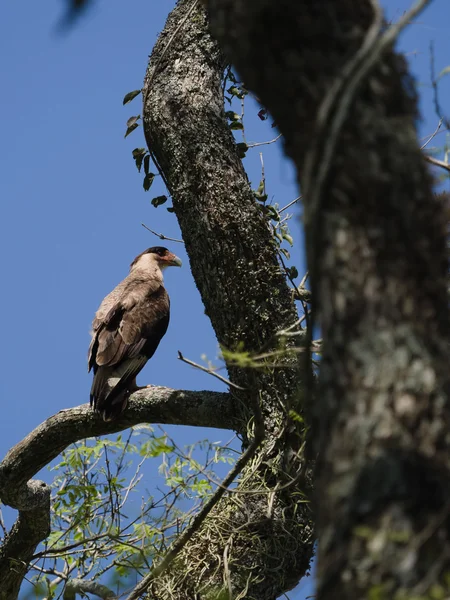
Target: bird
[[127, 329]]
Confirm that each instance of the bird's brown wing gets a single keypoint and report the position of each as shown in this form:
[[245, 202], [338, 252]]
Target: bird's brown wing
[[126, 334]]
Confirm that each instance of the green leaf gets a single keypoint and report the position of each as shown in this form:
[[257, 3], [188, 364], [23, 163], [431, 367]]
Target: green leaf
[[293, 272], [445, 71], [242, 149], [147, 164], [236, 91], [148, 180], [232, 116], [260, 192], [131, 96], [138, 155], [132, 120], [288, 238], [170, 209], [295, 416], [273, 214], [131, 128], [158, 201], [236, 125]]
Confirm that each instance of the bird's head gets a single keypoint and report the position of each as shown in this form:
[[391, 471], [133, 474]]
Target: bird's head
[[156, 255]]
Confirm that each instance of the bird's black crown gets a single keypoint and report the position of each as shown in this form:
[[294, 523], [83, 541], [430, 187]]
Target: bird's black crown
[[159, 250]]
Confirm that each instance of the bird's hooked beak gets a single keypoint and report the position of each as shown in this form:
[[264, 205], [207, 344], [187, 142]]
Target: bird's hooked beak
[[174, 261]]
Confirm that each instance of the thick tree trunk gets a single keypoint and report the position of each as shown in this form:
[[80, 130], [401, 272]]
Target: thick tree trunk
[[379, 270], [258, 542]]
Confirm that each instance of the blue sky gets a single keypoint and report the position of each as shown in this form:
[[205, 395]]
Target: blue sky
[[73, 203]]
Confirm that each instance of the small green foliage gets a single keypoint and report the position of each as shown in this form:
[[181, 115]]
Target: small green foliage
[[295, 416], [237, 91], [131, 96], [95, 479], [242, 149], [138, 155], [292, 272], [132, 120], [239, 358], [232, 116], [159, 200], [260, 193], [155, 446], [235, 120], [271, 212], [231, 76], [147, 164], [444, 72], [287, 236], [131, 128], [148, 180]]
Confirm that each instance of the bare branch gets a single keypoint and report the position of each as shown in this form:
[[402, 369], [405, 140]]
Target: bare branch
[[438, 163], [161, 235], [209, 371], [432, 136], [74, 586], [255, 144]]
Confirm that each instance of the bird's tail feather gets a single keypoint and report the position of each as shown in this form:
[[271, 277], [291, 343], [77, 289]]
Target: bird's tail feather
[[112, 385]]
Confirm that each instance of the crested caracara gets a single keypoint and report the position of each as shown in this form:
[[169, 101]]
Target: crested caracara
[[127, 329]]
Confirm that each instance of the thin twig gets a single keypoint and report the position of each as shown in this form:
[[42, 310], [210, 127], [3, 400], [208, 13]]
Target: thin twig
[[263, 173], [438, 163], [434, 82], [210, 372], [290, 204], [255, 144], [432, 135], [161, 235]]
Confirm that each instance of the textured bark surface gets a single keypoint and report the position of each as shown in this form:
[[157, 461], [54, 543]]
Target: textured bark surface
[[265, 537], [32, 497], [382, 419], [31, 527]]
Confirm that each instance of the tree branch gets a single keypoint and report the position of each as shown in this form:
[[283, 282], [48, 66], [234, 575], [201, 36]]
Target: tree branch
[[81, 586], [149, 405], [23, 461]]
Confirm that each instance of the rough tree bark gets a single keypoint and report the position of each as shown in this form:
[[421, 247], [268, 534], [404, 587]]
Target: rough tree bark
[[265, 537], [379, 272]]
